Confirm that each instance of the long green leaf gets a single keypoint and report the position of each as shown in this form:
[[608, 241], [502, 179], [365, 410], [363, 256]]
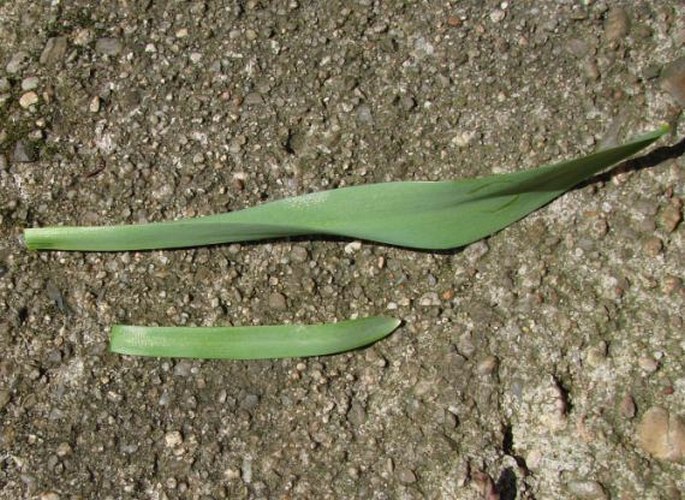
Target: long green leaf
[[250, 342], [429, 215]]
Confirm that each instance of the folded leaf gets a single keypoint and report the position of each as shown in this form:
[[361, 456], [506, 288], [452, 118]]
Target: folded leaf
[[428, 215], [250, 342]]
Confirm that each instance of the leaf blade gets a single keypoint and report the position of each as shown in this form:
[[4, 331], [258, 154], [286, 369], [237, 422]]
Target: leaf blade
[[250, 342], [425, 215]]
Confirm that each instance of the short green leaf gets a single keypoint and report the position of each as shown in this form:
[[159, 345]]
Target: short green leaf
[[250, 342]]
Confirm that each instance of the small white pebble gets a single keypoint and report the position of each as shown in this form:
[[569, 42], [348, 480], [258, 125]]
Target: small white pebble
[[429, 299], [94, 105], [63, 449], [497, 15], [352, 247], [247, 470], [173, 439], [586, 489], [28, 99], [231, 474], [30, 83]]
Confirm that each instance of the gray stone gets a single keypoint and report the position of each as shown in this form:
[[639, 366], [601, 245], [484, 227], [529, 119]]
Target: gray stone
[[30, 83], [586, 489], [4, 398], [299, 254], [24, 152], [253, 98], [277, 301], [54, 51], [406, 475], [108, 46], [357, 414], [673, 80], [17, 62]]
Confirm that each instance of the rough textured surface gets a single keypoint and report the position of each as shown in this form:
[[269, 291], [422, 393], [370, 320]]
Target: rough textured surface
[[526, 362]]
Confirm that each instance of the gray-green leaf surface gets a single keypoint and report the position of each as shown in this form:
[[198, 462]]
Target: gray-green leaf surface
[[426, 215]]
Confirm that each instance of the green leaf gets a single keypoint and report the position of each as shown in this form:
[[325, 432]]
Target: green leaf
[[250, 342], [428, 215]]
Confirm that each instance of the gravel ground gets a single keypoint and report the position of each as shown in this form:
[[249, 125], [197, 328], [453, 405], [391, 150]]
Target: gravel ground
[[544, 362]]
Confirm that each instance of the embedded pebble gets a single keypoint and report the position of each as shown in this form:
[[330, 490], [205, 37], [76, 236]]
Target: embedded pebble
[[662, 435], [82, 37], [357, 414], [673, 80], [352, 247], [16, 63], [277, 301], [364, 114], [250, 402], [465, 344], [28, 99], [94, 105], [182, 368], [578, 47], [173, 439], [54, 51], [627, 407], [407, 103], [246, 470], [30, 83], [49, 495], [299, 254], [487, 366], [64, 449], [406, 475], [597, 354], [253, 98], [4, 398], [671, 215], [497, 15], [108, 46], [423, 48], [552, 406], [591, 70], [24, 153], [652, 246], [429, 299], [617, 24], [476, 251], [586, 489], [454, 21], [648, 364], [464, 138], [671, 284]]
